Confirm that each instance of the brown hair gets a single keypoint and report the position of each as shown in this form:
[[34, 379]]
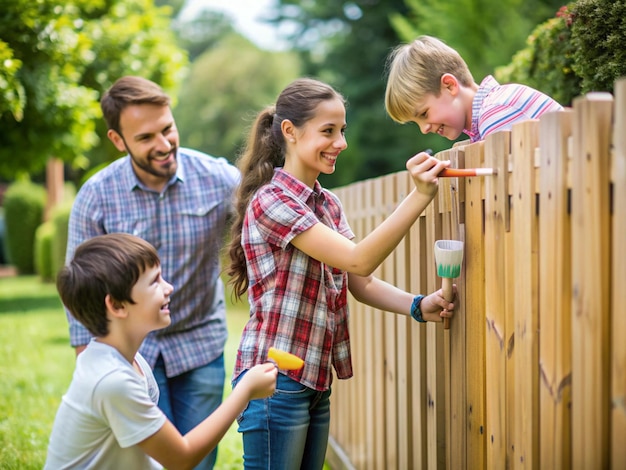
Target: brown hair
[[414, 70], [104, 265], [127, 91], [264, 151]]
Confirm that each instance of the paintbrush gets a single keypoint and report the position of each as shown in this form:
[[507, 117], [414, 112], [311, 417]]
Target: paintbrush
[[449, 258], [461, 172]]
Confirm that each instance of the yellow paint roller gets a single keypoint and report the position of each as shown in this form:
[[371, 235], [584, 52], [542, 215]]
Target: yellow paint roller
[[284, 360], [449, 258]]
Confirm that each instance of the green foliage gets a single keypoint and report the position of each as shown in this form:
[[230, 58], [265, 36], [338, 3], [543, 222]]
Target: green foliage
[[599, 43], [36, 368], [222, 96], [546, 63], [54, 114], [581, 50], [12, 95], [202, 32], [56, 57], [24, 203], [3, 248], [43, 251], [60, 217]]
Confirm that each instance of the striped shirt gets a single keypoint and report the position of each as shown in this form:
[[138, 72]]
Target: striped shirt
[[186, 224], [497, 107], [297, 303]]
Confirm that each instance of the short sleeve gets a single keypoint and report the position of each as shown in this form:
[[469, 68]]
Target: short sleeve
[[279, 217], [124, 403]]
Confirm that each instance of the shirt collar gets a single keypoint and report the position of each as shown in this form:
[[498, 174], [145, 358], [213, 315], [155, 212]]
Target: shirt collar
[[488, 84], [296, 187]]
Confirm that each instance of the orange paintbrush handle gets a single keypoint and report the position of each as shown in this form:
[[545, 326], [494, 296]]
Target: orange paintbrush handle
[[460, 172], [285, 360]]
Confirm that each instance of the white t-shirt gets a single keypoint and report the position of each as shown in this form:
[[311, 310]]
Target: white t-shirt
[[107, 410]]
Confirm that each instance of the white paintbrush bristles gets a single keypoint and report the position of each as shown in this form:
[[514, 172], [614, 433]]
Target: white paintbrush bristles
[[449, 258]]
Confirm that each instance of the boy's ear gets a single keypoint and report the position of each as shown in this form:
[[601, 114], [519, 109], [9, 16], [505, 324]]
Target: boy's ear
[[115, 307], [449, 83], [117, 140], [288, 130]]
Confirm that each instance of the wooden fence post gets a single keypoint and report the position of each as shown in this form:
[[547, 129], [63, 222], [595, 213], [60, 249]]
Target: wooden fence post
[[555, 273], [524, 140], [419, 390], [474, 301], [618, 297], [497, 148], [590, 276]]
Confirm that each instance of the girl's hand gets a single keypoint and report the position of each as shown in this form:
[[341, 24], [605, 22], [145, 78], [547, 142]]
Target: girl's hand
[[424, 170], [435, 307]]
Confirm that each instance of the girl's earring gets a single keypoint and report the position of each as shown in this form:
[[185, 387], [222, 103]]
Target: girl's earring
[[292, 140]]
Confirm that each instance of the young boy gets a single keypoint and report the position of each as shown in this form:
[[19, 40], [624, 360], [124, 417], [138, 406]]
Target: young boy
[[430, 84], [109, 418]]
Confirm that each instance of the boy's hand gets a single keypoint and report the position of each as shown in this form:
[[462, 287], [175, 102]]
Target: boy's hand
[[435, 307], [260, 380], [424, 170]]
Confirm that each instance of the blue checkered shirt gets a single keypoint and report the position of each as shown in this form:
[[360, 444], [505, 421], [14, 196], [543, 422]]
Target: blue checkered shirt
[[186, 223]]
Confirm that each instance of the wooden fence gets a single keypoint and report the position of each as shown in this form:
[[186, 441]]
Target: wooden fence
[[532, 372]]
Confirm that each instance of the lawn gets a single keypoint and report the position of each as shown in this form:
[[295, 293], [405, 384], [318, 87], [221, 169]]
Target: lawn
[[36, 365]]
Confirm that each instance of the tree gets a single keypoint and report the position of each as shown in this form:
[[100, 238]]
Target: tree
[[59, 55], [226, 88], [201, 32]]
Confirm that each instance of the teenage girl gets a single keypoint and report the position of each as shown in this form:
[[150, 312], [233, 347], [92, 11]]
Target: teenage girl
[[292, 251]]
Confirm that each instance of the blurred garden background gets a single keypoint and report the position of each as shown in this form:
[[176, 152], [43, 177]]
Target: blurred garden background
[[58, 56]]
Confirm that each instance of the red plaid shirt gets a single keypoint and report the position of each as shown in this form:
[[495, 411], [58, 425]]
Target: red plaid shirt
[[297, 304]]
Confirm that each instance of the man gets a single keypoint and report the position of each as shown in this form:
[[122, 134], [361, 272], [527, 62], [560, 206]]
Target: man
[[179, 200]]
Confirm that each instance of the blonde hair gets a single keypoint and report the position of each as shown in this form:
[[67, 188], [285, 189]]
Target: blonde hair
[[414, 70]]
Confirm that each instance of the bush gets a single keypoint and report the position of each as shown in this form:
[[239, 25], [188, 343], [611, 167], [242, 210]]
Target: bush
[[599, 42], [60, 217], [582, 49], [3, 250], [24, 204], [546, 64], [43, 251]]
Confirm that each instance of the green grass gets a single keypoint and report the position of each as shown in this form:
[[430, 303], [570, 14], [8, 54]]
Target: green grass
[[36, 366]]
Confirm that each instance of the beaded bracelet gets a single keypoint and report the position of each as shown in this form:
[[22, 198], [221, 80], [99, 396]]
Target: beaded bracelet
[[416, 313]]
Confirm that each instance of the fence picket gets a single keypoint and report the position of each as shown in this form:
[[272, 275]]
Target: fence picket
[[524, 140], [496, 215], [618, 293], [555, 340], [590, 277]]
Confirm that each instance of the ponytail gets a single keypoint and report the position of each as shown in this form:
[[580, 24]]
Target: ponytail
[[264, 151]]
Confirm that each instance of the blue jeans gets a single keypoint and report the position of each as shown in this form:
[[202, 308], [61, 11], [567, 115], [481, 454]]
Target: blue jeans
[[190, 397], [288, 430]]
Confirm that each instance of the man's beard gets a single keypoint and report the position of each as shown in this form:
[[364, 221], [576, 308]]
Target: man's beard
[[160, 172]]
